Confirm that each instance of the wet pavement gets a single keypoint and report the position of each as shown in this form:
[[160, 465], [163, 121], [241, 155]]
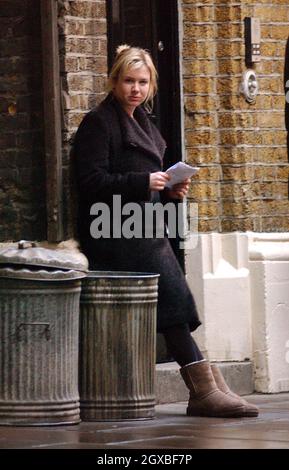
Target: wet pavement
[[171, 429]]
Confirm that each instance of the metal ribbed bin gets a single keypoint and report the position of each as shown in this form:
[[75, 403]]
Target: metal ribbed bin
[[118, 345], [39, 333]]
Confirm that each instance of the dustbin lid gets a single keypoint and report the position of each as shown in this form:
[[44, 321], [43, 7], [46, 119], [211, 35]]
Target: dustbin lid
[[40, 275], [27, 254]]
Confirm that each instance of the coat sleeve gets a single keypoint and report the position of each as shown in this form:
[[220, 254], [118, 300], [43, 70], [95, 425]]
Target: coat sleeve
[[92, 157]]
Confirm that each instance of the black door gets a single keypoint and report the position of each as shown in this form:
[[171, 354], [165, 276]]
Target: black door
[[153, 25]]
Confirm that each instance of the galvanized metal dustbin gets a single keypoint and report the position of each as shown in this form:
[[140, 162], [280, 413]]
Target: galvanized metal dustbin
[[117, 345], [39, 332]]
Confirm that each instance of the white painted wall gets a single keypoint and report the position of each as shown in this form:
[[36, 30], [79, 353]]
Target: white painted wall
[[217, 272], [240, 282], [269, 268]]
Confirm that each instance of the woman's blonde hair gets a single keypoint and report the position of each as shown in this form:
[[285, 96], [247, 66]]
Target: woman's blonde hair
[[128, 57]]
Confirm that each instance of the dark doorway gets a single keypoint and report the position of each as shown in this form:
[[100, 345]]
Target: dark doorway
[[153, 25]]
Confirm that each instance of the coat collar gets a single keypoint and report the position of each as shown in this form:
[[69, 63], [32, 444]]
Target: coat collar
[[139, 132]]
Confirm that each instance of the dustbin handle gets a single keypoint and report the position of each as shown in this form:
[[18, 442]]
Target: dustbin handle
[[46, 330], [26, 244]]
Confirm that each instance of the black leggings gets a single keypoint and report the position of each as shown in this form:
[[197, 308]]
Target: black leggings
[[181, 345]]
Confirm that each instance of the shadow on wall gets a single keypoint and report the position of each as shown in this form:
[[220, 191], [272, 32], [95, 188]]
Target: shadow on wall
[[286, 88], [72, 189]]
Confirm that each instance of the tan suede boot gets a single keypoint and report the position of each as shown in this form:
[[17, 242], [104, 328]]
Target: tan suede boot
[[251, 410], [205, 397]]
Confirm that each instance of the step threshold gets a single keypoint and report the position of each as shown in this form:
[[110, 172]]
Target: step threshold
[[170, 387]]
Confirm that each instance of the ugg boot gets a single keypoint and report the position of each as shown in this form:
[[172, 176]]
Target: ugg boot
[[205, 397], [251, 410]]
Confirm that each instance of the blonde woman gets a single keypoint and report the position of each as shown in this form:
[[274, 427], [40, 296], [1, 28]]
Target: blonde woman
[[119, 152]]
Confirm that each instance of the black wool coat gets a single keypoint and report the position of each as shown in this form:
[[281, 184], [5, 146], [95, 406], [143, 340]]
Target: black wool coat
[[114, 155]]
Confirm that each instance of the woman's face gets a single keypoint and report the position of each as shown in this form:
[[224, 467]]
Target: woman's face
[[132, 87]]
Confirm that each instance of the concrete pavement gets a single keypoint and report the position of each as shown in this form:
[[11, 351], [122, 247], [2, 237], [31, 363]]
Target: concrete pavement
[[171, 429]]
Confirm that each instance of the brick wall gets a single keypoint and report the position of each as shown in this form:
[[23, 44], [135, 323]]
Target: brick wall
[[241, 147], [22, 174], [83, 62]]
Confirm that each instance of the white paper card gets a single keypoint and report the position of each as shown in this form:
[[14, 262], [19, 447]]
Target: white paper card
[[179, 172]]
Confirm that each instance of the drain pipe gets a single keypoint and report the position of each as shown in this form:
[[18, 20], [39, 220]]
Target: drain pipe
[[52, 120]]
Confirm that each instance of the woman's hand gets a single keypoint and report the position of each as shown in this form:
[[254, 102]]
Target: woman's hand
[[158, 180], [179, 191]]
